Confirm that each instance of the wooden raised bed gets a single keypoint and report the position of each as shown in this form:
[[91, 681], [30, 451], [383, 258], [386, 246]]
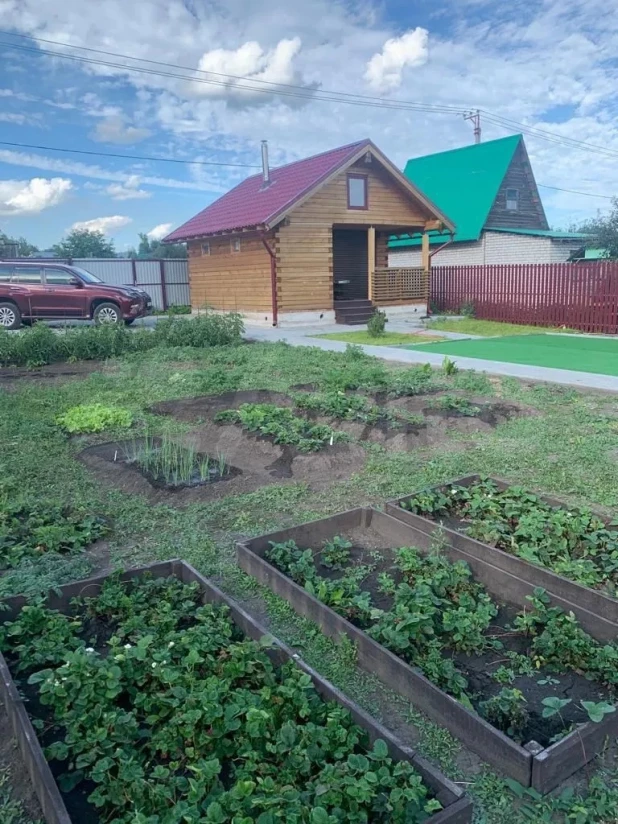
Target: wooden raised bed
[[596, 612], [543, 769], [457, 806]]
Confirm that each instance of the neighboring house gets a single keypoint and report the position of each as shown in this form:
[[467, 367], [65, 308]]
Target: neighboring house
[[308, 241], [489, 192]]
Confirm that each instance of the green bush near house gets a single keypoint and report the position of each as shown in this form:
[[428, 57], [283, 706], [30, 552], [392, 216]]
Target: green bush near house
[[94, 417], [41, 345]]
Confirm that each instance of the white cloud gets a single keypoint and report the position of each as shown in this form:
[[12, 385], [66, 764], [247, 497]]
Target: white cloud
[[385, 69], [160, 231], [114, 129], [29, 197], [254, 67], [108, 225], [128, 190]]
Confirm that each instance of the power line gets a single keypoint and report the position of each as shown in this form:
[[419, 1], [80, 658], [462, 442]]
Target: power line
[[301, 92], [437, 107], [129, 156], [574, 192]]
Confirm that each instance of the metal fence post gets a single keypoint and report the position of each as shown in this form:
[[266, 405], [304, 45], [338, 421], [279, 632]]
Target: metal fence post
[[163, 286], [134, 271]]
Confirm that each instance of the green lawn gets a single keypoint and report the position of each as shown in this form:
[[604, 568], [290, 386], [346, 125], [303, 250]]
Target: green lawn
[[567, 449], [596, 355], [387, 339], [489, 328]]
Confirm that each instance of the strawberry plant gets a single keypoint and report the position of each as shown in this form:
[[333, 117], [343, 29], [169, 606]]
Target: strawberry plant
[[282, 426], [171, 715], [506, 711], [570, 542], [336, 553], [28, 530]]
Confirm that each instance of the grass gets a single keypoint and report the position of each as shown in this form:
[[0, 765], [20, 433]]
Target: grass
[[490, 328], [568, 449], [387, 339], [582, 354]]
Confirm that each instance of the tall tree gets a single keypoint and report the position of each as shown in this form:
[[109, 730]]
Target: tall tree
[[155, 249], [603, 230], [21, 245], [84, 243]]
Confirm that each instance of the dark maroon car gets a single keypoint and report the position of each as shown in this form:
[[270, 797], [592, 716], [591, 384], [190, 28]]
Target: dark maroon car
[[46, 291]]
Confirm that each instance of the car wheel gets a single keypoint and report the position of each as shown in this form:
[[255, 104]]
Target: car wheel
[[10, 316], [106, 313]]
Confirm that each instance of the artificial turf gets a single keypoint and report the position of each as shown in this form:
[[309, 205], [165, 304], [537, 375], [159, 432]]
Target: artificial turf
[[578, 353]]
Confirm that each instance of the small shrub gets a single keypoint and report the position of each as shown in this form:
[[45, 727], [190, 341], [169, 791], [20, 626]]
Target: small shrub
[[467, 309], [377, 324], [94, 417]]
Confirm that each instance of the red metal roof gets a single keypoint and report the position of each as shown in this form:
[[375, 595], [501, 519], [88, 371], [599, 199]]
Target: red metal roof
[[249, 205]]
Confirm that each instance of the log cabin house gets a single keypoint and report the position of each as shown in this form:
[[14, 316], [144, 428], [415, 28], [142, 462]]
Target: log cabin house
[[307, 242]]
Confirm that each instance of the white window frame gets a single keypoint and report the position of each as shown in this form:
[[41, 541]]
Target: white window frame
[[512, 203], [235, 245]]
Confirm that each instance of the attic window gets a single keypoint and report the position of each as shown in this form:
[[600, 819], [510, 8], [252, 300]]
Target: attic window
[[357, 192], [512, 200], [205, 248], [235, 245]]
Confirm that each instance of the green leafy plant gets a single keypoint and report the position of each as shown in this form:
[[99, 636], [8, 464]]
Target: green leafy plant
[[175, 716], [449, 367], [336, 553], [454, 403], [95, 417], [507, 711], [597, 711], [282, 426], [376, 324], [29, 530], [504, 675], [553, 705]]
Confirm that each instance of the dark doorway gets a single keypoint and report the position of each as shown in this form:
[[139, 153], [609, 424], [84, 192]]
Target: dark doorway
[[350, 264]]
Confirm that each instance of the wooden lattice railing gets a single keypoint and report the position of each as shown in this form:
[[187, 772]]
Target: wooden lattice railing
[[400, 285]]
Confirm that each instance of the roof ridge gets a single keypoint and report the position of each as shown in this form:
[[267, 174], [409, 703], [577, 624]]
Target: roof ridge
[[355, 145], [463, 148]]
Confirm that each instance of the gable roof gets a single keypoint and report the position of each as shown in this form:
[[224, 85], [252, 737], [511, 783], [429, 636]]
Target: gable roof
[[476, 171], [249, 205]]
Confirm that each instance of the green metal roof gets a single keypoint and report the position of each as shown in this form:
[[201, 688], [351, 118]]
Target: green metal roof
[[543, 233], [463, 183]]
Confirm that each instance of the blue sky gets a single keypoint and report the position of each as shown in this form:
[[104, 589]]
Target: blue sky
[[546, 64]]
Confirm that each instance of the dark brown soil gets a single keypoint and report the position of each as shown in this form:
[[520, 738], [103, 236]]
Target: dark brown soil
[[369, 550], [13, 377], [22, 788], [195, 410]]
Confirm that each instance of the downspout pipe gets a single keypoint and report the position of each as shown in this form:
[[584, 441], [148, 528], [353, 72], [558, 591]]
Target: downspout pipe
[[273, 279], [435, 252]]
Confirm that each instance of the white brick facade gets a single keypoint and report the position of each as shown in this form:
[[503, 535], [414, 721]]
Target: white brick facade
[[493, 247]]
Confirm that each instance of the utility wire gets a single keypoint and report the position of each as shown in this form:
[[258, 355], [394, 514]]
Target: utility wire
[[301, 92], [129, 156], [574, 192], [438, 107]]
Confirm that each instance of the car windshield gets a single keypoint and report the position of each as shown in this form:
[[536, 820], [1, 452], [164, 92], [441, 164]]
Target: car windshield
[[85, 275]]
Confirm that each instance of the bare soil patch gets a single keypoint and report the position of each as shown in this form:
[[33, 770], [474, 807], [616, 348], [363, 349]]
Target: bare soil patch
[[53, 373], [258, 462]]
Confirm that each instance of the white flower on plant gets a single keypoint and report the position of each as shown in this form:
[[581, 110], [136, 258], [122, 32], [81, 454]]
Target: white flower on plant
[[127, 646], [89, 649], [170, 645], [154, 664]]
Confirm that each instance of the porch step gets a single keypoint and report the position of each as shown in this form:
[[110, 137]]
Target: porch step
[[353, 312]]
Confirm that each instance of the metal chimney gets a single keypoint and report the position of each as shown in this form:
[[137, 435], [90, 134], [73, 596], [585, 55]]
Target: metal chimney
[[265, 166]]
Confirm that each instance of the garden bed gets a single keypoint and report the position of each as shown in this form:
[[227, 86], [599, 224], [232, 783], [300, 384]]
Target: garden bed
[[373, 537], [596, 610], [209, 736]]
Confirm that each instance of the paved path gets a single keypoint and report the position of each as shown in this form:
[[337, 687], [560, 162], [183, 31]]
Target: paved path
[[302, 337]]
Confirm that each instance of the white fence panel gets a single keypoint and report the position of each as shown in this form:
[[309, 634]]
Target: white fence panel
[[114, 271], [147, 275]]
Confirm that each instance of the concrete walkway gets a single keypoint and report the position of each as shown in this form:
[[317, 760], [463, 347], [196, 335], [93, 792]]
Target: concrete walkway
[[302, 337]]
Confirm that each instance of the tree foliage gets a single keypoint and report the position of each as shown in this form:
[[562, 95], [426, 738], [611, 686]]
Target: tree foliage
[[603, 230], [22, 247], [85, 243], [155, 249]]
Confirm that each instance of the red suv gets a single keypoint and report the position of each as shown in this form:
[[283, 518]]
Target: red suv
[[37, 291]]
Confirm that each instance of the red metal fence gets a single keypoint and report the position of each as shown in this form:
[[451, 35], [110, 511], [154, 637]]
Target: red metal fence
[[579, 296]]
